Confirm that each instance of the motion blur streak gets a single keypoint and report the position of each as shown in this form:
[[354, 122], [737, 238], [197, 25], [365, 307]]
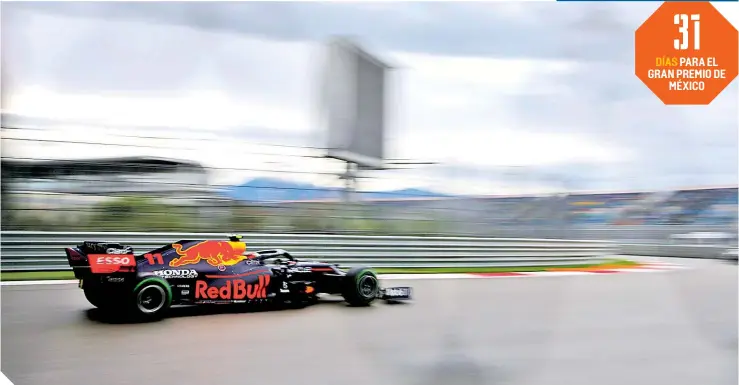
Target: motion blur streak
[[612, 330], [199, 118], [507, 119]]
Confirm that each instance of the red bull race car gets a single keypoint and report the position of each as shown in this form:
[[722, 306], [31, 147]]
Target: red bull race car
[[203, 272]]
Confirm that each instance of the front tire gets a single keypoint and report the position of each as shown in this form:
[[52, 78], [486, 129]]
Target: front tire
[[361, 286]]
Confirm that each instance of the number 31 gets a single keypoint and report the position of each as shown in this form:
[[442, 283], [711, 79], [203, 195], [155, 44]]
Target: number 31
[[681, 19]]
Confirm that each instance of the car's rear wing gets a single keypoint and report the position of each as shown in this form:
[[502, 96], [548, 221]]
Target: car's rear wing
[[93, 257]]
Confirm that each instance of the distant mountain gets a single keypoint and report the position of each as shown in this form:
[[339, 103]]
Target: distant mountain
[[404, 193], [268, 189]]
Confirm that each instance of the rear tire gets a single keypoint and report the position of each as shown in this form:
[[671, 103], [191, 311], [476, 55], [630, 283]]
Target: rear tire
[[361, 286], [152, 297]]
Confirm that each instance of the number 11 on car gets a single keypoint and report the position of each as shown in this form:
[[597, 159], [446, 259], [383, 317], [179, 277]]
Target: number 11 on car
[[154, 259]]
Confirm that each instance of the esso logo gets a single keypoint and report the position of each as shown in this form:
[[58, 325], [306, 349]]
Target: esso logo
[[104, 263], [114, 260]]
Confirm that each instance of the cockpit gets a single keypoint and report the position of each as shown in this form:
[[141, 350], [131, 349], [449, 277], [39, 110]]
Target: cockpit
[[271, 256]]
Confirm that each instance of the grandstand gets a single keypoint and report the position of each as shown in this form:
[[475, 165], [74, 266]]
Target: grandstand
[[108, 176], [67, 190], [65, 194], [708, 206]]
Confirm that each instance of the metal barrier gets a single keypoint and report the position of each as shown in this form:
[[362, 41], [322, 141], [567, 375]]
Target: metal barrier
[[653, 234], [674, 251], [39, 251]]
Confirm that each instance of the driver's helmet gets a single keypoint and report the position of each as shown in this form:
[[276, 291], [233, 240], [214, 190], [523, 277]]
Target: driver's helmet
[[235, 237]]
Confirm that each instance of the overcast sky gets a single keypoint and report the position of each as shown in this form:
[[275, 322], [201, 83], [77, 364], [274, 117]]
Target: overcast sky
[[506, 96]]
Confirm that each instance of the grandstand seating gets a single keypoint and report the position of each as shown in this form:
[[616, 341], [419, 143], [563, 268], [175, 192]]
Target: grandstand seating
[[599, 208], [716, 206], [685, 207], [705, 206]]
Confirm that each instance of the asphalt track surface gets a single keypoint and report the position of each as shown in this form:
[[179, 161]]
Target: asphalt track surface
[[677, 327]]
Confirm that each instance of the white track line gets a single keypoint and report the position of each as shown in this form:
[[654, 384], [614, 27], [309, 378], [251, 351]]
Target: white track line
[[423, 276], [44, 282], [556, 273], [648, 268]]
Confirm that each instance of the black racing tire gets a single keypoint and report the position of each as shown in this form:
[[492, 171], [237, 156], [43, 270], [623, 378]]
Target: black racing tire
[[361, 286], [151, 298]]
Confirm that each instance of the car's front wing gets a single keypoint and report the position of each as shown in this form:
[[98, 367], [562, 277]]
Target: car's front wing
[[395, 293]]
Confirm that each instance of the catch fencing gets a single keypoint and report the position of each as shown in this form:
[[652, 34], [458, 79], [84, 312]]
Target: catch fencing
[[44, 251]]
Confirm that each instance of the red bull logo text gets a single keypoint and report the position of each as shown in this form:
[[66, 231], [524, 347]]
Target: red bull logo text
[[216, 253], [233, 290]]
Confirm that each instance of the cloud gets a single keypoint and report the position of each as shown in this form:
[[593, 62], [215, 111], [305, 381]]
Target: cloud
[[503, 29], [545, 87]]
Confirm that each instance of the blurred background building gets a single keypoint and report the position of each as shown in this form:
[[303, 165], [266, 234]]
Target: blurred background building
[[91, 144], [147, 194]]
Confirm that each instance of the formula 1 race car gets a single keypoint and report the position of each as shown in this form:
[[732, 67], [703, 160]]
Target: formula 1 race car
[[200, 272]]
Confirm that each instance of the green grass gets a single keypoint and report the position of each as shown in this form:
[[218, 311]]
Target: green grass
[[35, 275], [51, 275]]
